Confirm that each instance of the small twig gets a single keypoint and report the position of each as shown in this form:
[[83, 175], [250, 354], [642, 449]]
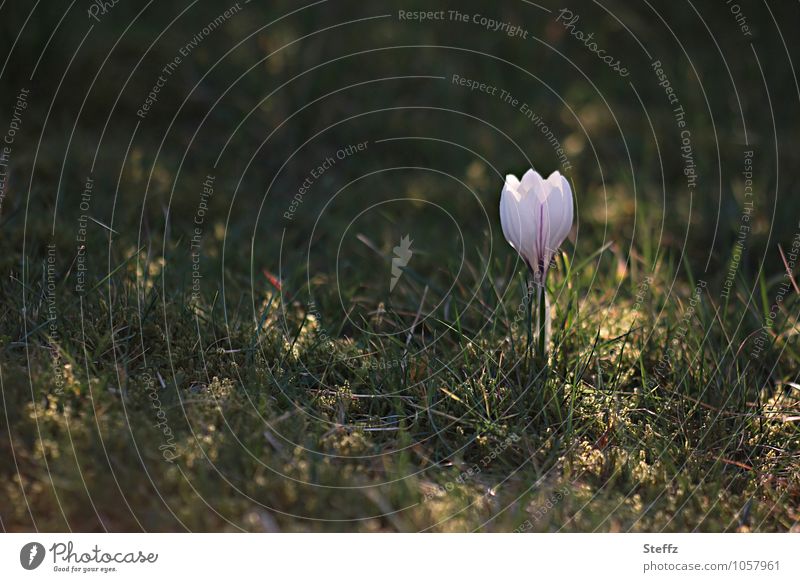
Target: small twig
[[416, 320]]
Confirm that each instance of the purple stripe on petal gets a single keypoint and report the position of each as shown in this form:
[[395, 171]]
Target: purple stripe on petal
[[539, 253]]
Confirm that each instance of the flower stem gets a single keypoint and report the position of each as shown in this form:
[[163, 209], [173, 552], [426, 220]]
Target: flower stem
[[530, 313], [541, 321]]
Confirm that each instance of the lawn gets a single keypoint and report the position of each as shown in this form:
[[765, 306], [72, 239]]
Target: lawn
[[254, 276]]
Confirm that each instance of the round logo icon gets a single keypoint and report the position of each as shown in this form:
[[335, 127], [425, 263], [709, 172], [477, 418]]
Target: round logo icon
[[31, 555]]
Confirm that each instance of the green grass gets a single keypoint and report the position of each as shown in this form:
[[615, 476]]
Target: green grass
[[282, 429], [331, 404]]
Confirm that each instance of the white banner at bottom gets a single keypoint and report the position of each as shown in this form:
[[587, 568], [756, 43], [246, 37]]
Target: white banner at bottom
[[390, 557]]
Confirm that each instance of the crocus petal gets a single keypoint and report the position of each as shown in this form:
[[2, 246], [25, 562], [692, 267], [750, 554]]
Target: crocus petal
[[529, 242], [557, 211], [512, 220], [554, 180], [565, 209], [512, 185], [532, 184]]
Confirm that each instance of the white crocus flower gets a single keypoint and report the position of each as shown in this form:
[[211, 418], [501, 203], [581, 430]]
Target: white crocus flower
[[536, 215]]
